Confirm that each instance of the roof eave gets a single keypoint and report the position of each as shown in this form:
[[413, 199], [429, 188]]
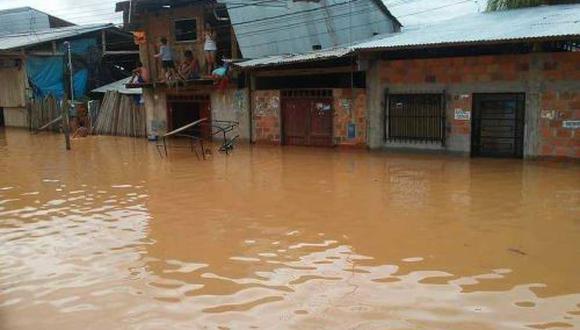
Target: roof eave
[[32, 44], [386, 10], [467, 43]]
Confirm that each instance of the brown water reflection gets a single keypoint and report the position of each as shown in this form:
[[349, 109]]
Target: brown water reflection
[[110, 236]]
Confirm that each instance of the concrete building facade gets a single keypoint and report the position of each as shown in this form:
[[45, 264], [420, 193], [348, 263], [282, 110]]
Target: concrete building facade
[[549, 83]]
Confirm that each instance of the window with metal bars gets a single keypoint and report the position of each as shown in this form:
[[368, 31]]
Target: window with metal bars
[[415, 118]]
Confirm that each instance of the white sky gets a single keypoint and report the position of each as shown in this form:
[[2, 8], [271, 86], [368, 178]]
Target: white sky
[[409, 12]]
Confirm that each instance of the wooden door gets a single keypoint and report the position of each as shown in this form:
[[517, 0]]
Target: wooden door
[[320, 132], [295, 121], [307, 121]]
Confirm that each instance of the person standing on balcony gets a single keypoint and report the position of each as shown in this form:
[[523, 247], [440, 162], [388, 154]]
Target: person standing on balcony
[[209, 48], [166, 56]]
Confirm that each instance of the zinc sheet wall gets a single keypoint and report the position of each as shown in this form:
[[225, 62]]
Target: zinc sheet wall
[[288, 27], [12, 87]]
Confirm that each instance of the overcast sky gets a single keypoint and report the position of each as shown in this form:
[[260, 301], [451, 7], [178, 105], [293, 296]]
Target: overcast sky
[[409, 12]]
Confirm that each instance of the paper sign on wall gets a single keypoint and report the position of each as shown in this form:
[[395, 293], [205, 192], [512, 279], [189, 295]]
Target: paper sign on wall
[[351, 130], [462, 114], [571, 124]]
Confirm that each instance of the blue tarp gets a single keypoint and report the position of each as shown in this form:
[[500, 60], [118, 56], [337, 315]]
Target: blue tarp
[[46, 73]]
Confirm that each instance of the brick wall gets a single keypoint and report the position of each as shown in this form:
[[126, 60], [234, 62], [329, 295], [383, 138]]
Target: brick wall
[[463, 76], [557, 141], [346, 112], [266, 116], [456, 70], [267, 124]]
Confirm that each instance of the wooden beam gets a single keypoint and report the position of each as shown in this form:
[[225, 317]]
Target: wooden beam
[[121, 52], [104, 40], [234, 43], [44, 53], [302, 72]]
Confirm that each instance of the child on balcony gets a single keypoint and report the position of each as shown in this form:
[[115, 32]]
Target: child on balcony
[[209, 48], [140, 74], [166, 56], [189, 68]]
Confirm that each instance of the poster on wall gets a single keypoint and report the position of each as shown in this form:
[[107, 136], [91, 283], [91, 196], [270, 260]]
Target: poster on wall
[[571, 124], [351, 130], [462, 114]]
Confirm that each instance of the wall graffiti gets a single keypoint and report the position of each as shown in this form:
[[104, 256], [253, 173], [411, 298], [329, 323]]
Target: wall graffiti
[[240, 101], [267, 105]]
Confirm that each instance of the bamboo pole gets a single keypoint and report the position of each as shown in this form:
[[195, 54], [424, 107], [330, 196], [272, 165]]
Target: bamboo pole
[[66, 126]]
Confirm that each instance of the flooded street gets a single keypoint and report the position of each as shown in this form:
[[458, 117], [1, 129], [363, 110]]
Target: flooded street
[[110, 236]]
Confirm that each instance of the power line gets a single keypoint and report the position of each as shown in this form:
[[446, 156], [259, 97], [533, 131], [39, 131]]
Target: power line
[[299, 23]]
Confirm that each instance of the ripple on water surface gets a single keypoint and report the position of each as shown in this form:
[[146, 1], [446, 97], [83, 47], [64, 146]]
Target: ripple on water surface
[[282, 238]]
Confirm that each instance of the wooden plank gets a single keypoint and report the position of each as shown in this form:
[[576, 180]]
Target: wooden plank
[[183, 128], [50, 123], [121, 52]]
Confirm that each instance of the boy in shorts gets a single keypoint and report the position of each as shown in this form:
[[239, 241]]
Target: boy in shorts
[[166, 56]]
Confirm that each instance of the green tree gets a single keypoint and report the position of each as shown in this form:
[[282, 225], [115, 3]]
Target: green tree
[[494, 5]]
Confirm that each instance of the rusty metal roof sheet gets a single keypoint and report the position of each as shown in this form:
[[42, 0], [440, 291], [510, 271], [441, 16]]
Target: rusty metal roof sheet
[[502, 26]]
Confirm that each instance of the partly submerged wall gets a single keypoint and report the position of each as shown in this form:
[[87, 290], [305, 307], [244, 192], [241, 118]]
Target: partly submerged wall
[[550, 81]]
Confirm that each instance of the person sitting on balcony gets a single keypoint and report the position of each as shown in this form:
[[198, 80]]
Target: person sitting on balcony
[[209, 48], [140, 74], [166, 56], [189, 68], [220, 75]]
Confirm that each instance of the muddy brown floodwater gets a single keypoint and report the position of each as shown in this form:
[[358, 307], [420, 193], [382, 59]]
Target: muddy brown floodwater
[[110, 236]]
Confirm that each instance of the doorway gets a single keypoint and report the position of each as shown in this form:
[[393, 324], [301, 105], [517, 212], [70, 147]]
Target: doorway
[[181, 112], [307, 117], [1, 117], [498, 125]]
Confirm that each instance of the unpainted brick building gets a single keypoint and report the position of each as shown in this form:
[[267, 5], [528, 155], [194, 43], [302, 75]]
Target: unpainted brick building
[[477, 95]]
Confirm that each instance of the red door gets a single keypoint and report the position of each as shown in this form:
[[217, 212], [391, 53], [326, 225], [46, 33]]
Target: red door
[[307, 121], [295, 117], [320, 133]]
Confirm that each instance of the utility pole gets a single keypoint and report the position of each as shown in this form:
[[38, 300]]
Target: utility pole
[[66, 107]]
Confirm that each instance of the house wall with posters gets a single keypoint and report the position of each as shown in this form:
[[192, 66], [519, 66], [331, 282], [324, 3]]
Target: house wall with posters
[[348, 121]]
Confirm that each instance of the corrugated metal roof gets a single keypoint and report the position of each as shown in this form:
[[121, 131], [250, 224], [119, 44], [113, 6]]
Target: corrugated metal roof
[[294, 58], [501, 26], [21, 40], [119, 86], [23, 19], [282, 27]]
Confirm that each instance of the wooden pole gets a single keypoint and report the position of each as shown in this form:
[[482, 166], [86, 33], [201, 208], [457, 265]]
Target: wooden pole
[[68, 103], [65, 122]]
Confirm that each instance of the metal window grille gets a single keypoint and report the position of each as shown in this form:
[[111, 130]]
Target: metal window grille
[[307, 93], [415, 118]]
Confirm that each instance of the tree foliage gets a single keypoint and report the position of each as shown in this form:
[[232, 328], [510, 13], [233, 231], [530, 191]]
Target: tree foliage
[[494, 5]]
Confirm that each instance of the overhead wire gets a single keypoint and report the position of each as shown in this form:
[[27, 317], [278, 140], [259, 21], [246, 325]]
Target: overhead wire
[[286, 26]]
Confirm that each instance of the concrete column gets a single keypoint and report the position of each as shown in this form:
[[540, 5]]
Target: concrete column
[[375, 99], [533, 107]]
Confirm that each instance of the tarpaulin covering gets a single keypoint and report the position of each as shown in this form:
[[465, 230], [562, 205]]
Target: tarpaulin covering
[[47, 73]]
